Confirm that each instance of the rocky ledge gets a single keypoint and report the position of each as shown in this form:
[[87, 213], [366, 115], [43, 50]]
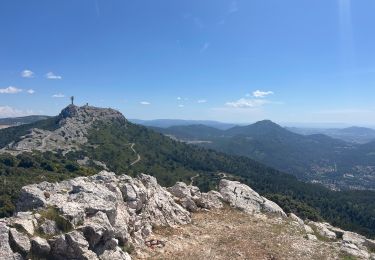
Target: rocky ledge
[[108, 216], [72, 126]]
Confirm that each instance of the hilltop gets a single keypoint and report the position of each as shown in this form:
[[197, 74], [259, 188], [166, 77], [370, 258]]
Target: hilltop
[[109, 216]]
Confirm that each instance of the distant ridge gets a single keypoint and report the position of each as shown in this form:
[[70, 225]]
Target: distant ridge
[[164, 123], [313, 157], [13, 121]]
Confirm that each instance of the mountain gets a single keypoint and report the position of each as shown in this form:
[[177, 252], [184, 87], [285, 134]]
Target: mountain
[[84, 140], [108, 216], [352, 134], [315, 158], [164, 123], [14, 121]]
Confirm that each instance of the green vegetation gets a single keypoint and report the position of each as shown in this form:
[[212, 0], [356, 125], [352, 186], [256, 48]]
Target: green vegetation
[[26, 168], [14, 133], [53, 214], [172, 161], [312, 157]]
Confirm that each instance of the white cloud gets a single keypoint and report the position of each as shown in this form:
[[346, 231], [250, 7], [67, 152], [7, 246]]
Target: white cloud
[[7, 111], [179, 98], [180, 105], [30, 91], [205, 46], [233, 7], [10, 90], [200, 101], [247, 103], [144, 103], [262, 94], [59, 95], [51, 75], [27, 74]]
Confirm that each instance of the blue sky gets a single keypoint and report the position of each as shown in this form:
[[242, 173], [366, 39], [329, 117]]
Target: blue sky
[[233, 61]]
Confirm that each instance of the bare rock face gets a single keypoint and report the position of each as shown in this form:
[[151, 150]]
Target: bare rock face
[[90, 217], [297, 219], [73, 125], [20, 241], [323, 230], [40, 247], [193, 200], [241, 196]]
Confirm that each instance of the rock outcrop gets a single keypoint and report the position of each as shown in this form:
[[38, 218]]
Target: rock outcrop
[[106, 216], [72, 126], [242, 197], [192, 199]]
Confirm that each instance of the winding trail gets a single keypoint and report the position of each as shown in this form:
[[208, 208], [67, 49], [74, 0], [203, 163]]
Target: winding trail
[[138, 156], [192, 179]]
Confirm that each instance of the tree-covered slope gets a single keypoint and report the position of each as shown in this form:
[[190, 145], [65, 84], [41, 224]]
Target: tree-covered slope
[[316, 157]]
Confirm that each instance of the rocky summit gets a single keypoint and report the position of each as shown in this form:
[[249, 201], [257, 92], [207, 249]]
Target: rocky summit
[[69, 130], [108, 216]]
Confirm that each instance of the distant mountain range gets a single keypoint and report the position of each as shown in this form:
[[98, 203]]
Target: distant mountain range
[[316, 157], [163, 123], [14, 121], [350, 134]]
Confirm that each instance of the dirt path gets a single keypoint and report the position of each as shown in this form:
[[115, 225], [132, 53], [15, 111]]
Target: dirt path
[[231, 234], [138, 156], [192, 179]]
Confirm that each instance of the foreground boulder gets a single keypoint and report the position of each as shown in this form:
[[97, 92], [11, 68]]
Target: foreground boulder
[[192, 199], [88, 217], [242, 197]]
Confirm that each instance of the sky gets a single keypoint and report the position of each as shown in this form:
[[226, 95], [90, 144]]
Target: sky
[[228, 60]]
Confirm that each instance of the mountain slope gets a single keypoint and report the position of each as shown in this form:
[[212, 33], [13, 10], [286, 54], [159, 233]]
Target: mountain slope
[[128, 148], [316, 157]]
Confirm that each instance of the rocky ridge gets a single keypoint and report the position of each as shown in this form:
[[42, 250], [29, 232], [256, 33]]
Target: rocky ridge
[[73, 125], [108, 216]]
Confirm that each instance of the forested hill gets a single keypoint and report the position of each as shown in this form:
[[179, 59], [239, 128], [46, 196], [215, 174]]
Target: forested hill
[[318, 158], [128, 148]]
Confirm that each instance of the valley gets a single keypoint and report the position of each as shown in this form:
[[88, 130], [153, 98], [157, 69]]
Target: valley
[[315, 158]]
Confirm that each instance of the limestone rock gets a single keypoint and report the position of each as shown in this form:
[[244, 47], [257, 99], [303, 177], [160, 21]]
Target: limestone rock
[[105, 213], [353, 250], [48, 227], [297, 219], [72, 245], [322, 230], [210, 200], [312, 237], [40, 246], [24, 221], [20, 241], [241, 196], [180, 190], [117, 253], [308, 229], [5, 250], [192, 199], [74, 124]]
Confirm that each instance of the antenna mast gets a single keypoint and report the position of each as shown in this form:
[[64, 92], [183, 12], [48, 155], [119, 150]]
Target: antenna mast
[[72, 99]]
